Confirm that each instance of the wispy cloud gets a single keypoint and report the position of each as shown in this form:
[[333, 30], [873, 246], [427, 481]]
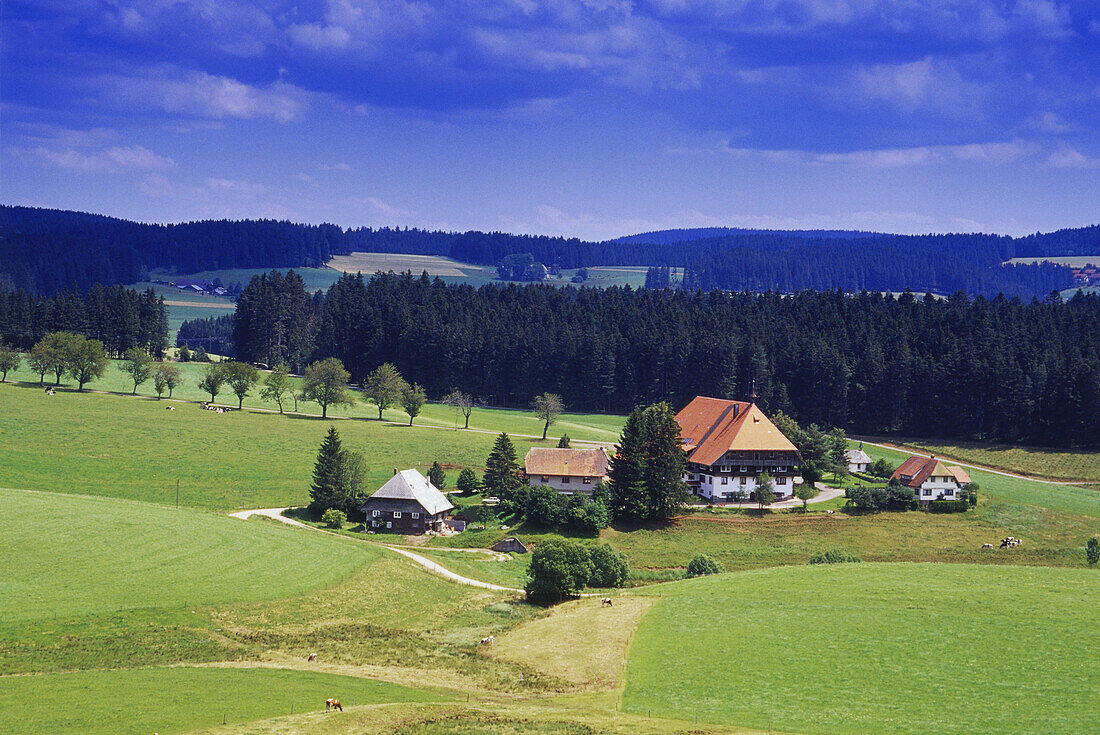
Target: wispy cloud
[[341, 166], [995, 153], [114, 160]]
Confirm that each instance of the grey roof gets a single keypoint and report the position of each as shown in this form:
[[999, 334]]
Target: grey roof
[[858, 456], [411, 485]]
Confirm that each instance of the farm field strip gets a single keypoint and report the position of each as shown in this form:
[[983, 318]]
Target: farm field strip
[[895, 645]]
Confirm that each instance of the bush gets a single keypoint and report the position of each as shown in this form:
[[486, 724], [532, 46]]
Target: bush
[[545, 508], [609, 568], [334, 518], [559, 568], [703, 564], [1092, 550], [585, 515], [881, 468], [833, 556], [478, 514], [948, 506]]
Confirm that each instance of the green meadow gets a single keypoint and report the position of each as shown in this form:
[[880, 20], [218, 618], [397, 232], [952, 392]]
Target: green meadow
[[178, 699], [131, 447], [882, 648], [72, 555]]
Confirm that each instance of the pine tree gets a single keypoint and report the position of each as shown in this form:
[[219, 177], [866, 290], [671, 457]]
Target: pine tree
[[627, 472], [327, 488], [437, 476], [501, 470]]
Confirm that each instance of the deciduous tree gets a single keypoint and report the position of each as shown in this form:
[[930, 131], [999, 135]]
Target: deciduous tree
[[85, 359], [9, 361], [805, 492], [241, 377], [277, 386], [765, 490], [326, 384], [138, 364], [212, 380], [548, 407], [463, 403], [412, 400], [384, 387], [166, 375], [559, 568]]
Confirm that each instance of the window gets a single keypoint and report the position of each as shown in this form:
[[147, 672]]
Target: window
[[743, 479], [724, 468], [588, 481], [545, 479], [415, 515], [565, 480], [374, 524], [927, 491], [725, 480], [397, 514], [374, 513], [710, 480], [744, 470], [781, 481], [389, 524]]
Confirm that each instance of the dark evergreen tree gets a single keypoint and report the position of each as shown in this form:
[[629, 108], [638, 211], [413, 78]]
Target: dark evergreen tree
[[327, 489]]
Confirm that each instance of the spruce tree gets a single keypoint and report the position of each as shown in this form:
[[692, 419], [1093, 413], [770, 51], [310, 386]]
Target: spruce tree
[[501, 470], [437, 476], [647, 470], [627, 471], [327, 488]]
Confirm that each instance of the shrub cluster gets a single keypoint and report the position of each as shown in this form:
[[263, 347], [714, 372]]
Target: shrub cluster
[[562, 567], [546, 508], [894, 496], [948, 506], [703, 564], [833, 556], [334, 518]]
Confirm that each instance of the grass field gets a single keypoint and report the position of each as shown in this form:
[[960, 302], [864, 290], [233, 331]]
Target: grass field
[[69, 555], [178, 699], [874, 648], [1054, 464], [1066, 498], [1073, 261], [132, 448], [595, 427], [511, 573], [316, 279]]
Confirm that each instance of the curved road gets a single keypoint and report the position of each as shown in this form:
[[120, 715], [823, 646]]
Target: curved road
[[1003, 473], [431, 566]]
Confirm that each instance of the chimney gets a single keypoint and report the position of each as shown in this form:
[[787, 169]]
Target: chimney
[[752, 392], [395, 470]]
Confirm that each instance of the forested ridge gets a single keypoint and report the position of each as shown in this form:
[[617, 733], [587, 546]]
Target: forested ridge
[[994, 369], [43, 251], [118, 317]]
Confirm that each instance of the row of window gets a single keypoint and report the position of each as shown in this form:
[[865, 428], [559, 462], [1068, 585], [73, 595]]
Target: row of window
[[396, 514], [725, 480], [565, 479]]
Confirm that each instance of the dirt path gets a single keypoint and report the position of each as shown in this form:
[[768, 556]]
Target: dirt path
[[983, 468], [431, 566]]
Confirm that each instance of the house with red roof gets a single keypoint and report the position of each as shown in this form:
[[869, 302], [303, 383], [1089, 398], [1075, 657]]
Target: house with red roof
[[729, 444], [568, 471], [931, 479]]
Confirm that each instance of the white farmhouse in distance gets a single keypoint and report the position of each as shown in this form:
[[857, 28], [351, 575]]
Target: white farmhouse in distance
[[858, 460], [931, 479], [568, 471]]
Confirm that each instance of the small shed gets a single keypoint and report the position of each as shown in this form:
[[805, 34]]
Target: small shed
[[510, 545]]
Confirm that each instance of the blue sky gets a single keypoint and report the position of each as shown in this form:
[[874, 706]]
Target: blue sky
[[591, 118]]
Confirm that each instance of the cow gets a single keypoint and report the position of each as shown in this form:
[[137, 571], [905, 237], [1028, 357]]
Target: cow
[[987, 546], [333, 704], [312, 657], [605, 601], [829, 512], [487, 640], [170, 408]]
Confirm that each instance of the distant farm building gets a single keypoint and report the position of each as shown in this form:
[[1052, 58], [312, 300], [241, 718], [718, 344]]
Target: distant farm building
[[510, 545], [407, 503], [858, 460], [568, 471], [729, 444], [931, 479]]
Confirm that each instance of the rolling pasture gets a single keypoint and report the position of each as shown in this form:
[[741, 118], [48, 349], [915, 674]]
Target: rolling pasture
[[178, 699], [1068, 465], [886, 648], [99, 444]]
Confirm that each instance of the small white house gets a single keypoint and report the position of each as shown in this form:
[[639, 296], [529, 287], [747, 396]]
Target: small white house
[[858, 460], [931, 479]]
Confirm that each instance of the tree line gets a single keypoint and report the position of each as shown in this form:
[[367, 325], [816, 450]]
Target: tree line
[[44, 250], [120, 318], [988, 369]]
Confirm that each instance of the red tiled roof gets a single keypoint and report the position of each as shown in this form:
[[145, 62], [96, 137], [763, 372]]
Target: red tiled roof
[[565, 462], [710, 427], [915, 470]]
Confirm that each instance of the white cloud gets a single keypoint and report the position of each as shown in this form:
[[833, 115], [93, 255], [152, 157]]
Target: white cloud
[[341, 166], [1066, 157], [205, 95], [926, 84], [114, 160], [318, 37], [1000, 153]]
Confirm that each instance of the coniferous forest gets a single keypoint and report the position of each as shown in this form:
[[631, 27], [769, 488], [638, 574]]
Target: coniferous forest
[[44, 250], [998, 369]]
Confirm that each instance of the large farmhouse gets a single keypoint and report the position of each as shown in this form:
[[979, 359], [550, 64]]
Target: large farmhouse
[[931, 479], [728, 445], [407, 503], [568, 471]]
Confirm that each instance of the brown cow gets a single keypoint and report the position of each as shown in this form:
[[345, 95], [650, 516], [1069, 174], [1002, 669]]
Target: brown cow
[[312, 657], [606, 601], [333, 703]]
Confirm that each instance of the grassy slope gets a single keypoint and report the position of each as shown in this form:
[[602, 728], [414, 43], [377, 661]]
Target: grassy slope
[[1057, 464], [511, 573], [874, 648], [133, 448], [67, 555], [1065, 498], [172, 700], [592, 427]]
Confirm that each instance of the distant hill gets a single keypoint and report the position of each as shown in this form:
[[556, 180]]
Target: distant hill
[[45, 250], [665, 237]]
